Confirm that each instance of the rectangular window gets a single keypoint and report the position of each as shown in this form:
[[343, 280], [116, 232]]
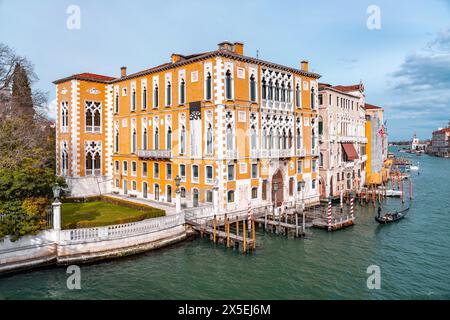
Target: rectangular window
[[209, 175], [299, 167], [320, 99], [134, 185], [183, 172], [125, 167], [168, 171], [133, 168], [117, 183], [156, 170], [314, 165], [254, 170], [195, 173], [242, 168], [209, 196], [144, 169], [254, 193], [230, 172], [117, 165]]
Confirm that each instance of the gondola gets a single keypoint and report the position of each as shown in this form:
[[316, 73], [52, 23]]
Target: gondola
[[391, 216]]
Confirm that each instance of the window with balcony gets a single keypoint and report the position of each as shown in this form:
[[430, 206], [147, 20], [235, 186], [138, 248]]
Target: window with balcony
[[209, 174], [169, 139], [231, 172], [156, 139], [253, 138], [230, 144], [288, 93], [144, 138], [93, 116]]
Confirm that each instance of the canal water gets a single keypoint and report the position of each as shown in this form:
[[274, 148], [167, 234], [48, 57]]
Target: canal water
[[413, 256]]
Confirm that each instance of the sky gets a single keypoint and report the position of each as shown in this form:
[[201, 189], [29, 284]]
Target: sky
[[404, 64]]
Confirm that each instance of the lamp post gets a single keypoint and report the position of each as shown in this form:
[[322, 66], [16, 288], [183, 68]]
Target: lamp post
[[177, 194], [56, 206]]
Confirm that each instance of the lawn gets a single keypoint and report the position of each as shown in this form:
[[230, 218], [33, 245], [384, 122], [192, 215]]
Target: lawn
[[100, 213]]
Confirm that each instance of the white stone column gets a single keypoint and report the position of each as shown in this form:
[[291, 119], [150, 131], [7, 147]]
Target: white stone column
[[56, 215], [216, 200], [178, 200]]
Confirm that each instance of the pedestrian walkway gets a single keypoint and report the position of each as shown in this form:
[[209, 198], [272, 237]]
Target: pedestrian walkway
[[169, 209]]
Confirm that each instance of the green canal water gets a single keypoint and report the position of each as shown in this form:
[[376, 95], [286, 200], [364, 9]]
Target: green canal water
[[413, 256]]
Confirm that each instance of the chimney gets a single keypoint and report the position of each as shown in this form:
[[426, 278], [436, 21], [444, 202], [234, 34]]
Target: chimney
[[123, 72], [304, 65], [175, 57], [225, 45], [239, 48]]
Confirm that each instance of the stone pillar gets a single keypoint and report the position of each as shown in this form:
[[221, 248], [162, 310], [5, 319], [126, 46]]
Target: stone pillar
[[56, 215], [178, 200], [216, 200]]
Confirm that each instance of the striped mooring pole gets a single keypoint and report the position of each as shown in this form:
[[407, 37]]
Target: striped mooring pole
[[249, 216], [329, 213], [352, 204]]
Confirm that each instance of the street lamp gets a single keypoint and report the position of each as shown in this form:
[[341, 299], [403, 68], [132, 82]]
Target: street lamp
[[177, 183], [56, 191]]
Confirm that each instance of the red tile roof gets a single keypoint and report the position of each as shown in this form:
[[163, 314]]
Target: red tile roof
[[441, 131], [368, 106], [355, 87], [86, 76]]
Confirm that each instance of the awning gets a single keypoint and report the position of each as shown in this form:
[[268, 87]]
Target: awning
[[350, 150]]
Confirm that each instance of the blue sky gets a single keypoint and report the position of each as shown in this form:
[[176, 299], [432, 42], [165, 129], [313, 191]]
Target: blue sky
[[405, 65]]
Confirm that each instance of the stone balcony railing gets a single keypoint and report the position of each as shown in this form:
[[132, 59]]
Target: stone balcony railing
[[301, 153], [157, 154]]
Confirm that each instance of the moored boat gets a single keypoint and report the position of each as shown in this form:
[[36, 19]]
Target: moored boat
[[390, 216]]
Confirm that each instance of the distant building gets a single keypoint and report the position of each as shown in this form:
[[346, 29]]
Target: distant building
[[417, 145], [440, 143], [342, 159], [377, 145]]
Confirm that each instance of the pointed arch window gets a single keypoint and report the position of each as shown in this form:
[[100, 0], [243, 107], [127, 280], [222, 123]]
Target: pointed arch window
[[144, 139], [156, 140], [168, 94], [289, 142], [169, 139], [208, 85], [183, 140], [288, 93], [92, 116], [230, 144], [228, 85], [264, 88], [299, 139], [270, 91], [182, 92], [209, 140], [253, 138], [133, 140], [252, 88], [116, 141], [144, 98], [313, 99], [270, 139], [133, 99], [277, 91], [64, 116], [156, 96], [117, 103], [283, 92], [297, 95]]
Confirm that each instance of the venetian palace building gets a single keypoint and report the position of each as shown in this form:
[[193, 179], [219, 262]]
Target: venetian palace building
[[219, 120], [342, 139]]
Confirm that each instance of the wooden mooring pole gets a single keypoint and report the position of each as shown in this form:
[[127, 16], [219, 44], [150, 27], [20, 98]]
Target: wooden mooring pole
[[253, 235], [227, 227], [214, 229], [244, 235]]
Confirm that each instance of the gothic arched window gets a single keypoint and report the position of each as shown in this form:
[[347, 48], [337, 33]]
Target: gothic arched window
[[208, 86], [144, 98], [144, 139], [183, 140], [155, 96], [297, 96], [169, 139], [116, 141], [209, 140], [182, 91], [253, 138], [313, 99], [252, 88], [264, 89], [228, 85], [230, 144], [133, 141], [156, 140], [168, 94], [133, 100]]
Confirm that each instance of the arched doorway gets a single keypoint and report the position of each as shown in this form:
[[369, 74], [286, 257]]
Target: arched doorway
[[277, 183], [144, 190], [169, 193]]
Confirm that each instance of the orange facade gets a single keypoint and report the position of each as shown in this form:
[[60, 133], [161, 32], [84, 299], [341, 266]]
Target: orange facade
[[207, 118]]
